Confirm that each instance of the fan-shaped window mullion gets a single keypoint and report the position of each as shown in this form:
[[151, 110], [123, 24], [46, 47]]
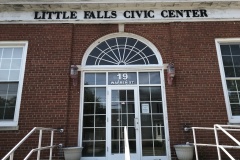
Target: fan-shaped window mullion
[[120, 57], [105, 53], [136, 54], [122, 51], [131, 51], [110, 47], [105, 56]]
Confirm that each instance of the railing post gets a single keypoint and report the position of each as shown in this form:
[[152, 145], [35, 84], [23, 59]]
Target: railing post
[[50, 155], [39, 144], [11, 156], [195, 143], [217, 142], [127, 152]]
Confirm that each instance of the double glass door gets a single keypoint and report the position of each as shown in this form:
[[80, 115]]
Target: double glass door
[[123, 111]]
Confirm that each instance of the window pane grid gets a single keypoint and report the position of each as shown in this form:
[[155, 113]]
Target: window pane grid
[[95, 79], [231, 64], [10, 64], [234, 96], [94, 119], [153, 138], [231, 60], [149, 78]]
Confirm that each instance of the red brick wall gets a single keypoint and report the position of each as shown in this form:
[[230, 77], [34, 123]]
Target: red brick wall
[[45, 96], [50, 100]]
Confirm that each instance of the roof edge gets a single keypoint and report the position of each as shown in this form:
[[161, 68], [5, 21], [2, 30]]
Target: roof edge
[[108, 1]]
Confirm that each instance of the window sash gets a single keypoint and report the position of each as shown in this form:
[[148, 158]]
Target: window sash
[[12, 61], [233, 115]]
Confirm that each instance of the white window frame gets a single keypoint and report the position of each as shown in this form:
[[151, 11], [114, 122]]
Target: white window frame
[[13, 124], [117, 67], [219, 42]]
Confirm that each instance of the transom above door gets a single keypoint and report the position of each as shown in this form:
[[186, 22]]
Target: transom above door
[[113, 100]]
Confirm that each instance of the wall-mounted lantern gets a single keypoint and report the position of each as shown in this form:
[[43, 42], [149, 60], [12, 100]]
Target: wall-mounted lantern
[[74, 74], [170, 73]]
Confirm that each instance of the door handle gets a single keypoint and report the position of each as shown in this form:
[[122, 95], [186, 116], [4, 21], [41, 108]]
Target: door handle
[[136, 123]]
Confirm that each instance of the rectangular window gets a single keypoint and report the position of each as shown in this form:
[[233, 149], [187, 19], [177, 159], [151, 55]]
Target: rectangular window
[[12, 66], [229, 61]]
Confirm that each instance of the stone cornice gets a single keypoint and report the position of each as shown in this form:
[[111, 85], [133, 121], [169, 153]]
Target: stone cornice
[[48, 5]]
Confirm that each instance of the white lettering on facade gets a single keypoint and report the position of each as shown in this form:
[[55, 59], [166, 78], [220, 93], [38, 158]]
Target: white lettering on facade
[[119, 82]]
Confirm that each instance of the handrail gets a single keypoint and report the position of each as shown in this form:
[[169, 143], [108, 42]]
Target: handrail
[[37, 149], [227, 153], [126, 144], [224, 129], [229, 135], [11, 153]]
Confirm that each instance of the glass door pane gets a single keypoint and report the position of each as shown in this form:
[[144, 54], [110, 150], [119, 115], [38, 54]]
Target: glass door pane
[[123, 114]]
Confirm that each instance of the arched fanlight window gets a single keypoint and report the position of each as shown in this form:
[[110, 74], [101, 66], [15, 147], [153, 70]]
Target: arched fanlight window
[[122, 51]]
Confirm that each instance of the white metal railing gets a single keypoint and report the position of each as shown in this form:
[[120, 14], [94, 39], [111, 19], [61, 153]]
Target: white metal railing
[[40, 129], [126, 144], [224, 129]]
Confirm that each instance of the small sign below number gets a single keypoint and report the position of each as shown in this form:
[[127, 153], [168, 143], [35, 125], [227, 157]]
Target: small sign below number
[[145, 108]]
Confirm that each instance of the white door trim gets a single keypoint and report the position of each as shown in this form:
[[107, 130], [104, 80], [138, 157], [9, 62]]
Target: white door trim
[[168, 151]]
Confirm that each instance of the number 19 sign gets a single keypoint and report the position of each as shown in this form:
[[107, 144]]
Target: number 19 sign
[[122, 78]]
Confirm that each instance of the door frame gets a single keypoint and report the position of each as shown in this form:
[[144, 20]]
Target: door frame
[[133, 69]]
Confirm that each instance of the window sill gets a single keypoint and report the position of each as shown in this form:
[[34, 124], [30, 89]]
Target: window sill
[[233, 123], [9, 128]]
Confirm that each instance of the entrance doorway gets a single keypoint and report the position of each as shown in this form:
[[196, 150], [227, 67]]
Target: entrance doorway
[[123, 85], [113, 100]]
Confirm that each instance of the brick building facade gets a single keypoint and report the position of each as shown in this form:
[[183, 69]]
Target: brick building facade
[[47, 97]]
